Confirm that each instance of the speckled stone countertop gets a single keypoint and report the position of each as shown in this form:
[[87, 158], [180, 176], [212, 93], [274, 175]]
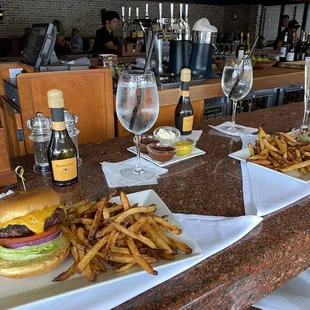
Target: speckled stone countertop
[[235, 278]]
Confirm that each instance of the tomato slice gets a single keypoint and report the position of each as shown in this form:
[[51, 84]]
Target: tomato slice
[[45, 233]]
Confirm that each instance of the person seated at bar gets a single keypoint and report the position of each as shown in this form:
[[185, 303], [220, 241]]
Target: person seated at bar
[[105, 42], [59, 26], [62, 47], [91, 42], [292, 27], [76, 42]]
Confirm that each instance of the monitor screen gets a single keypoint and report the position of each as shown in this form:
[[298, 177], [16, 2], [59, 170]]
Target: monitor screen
[[40, 45]]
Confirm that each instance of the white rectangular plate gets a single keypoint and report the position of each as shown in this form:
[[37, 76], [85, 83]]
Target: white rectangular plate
[[32, 291], [244, 154], [196, 152]]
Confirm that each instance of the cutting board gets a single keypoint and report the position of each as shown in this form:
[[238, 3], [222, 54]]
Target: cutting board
[[293, 64]]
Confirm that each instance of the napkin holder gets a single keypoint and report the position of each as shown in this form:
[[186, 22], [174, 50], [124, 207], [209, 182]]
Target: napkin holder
[[7, 175]]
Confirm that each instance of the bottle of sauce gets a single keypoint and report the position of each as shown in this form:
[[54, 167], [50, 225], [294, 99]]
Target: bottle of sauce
[[62, 153], [184, 112]]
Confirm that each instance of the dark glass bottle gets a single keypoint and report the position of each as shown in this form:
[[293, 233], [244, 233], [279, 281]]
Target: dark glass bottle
[[184, 112], [62, 153]]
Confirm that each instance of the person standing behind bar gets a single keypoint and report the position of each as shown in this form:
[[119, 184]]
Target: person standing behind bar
[[104, 42], [292, 27], [284, 22]]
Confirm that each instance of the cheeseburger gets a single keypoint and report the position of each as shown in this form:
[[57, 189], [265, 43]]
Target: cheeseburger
[[30, 241]]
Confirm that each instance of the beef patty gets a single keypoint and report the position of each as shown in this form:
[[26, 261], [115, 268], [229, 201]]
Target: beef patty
[[13, 231]]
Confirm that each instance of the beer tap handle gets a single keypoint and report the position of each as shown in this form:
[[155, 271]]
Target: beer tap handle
[[137, 12], [186, 12], [171, 12], [160, 6], [146, 11], [129, 13], [181, 11], [123, 13]]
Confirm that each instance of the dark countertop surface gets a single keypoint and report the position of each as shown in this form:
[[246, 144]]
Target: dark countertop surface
[[235, 278]]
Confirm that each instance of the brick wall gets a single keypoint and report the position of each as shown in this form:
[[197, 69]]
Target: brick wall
[[85, 15], [241, 24], [255, 13]]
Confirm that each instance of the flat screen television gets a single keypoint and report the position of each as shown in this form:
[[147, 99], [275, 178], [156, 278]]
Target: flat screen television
[[39, 46]]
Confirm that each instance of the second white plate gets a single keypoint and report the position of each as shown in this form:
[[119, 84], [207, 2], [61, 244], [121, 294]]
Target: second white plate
[[196, 152]]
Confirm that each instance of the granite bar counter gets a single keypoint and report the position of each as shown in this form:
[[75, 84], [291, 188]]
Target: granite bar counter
[[273, 253]]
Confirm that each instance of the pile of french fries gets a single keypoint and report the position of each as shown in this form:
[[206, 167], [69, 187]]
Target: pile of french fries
[[281, 152], [106, 235]]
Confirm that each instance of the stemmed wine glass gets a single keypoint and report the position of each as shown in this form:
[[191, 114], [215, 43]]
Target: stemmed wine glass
[[237, 80], [137, 108], [305, 125]]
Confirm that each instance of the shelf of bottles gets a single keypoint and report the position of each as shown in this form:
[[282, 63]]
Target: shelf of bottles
[[239, 46]]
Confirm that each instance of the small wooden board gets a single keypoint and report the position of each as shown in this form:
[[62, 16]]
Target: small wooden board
[[293, 64]]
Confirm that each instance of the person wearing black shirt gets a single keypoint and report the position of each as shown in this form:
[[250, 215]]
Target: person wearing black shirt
[[105, 42], [292, 27]]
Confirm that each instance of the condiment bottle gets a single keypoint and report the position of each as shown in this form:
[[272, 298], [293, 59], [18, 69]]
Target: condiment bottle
[[71, 120], [41, 135]]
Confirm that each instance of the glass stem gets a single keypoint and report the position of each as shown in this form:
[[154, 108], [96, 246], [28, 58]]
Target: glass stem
[[138, 168], [233, 117]]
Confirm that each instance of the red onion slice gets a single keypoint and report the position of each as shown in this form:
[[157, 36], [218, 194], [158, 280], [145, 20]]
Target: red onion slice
[[35, 242]]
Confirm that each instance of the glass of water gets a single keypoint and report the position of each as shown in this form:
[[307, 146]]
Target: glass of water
[[237, 80], [305, 123], [137, 108]]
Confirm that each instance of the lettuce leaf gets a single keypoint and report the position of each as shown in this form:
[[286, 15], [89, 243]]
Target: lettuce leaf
[[55, 247], [304, 137]]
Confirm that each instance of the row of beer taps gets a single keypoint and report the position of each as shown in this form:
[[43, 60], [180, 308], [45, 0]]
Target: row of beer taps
[[173, 28]]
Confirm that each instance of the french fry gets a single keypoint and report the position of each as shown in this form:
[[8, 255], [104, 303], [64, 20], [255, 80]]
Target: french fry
[[256, 157], [181, 246], [171, 227], [133, 235], [139, 259], [125, 201], [296, 166], [263, 162], [73, 239], [288, 137], [125, 267], [67, 274], [251, 149], [270, 146]]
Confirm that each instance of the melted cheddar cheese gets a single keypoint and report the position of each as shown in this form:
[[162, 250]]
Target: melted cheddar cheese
[[34, 221]]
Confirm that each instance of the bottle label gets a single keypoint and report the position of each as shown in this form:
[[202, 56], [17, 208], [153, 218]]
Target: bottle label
[[188, 123], [283, 51], [59, 126], [184, 93], [290, 56], [64, 169], [140, 34]]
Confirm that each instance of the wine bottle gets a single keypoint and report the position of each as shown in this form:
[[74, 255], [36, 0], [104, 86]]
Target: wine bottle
[[184, 112], [284, 47], [240, 48], [62, 153], [247, 48], [290, 56]]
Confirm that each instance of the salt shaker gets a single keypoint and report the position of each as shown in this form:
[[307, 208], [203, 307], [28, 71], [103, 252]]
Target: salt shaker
[[71, 120], [41, 135]]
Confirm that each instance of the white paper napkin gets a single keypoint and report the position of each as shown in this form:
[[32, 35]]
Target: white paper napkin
[[212, 233], [247, 130], [195, 135], [115, 179], [264, 193], [293, 295]]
